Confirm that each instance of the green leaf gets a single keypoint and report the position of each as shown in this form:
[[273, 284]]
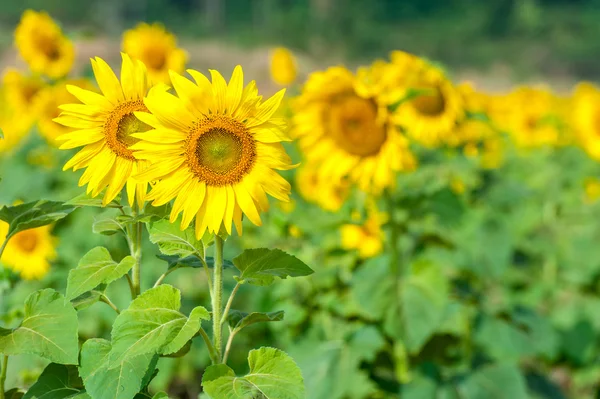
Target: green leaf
[[49, 329], [172, 241], [95, 268], [57, 382], [496, 381], [121, 382], [86, 300], [107, 227], [153, 324], [33, 214], [86, 200], [238, 319], [273, 375], [191, 261], [259, 266], [14, 393], [160, 395]]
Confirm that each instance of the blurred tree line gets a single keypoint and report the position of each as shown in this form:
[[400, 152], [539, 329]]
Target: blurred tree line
[[558, 34]]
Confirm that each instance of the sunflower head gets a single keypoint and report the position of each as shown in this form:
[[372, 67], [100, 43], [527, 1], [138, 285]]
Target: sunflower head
[[368, 237], [157, 49], [29, 252], [283, 66], [586, 118], [105, 127], [43, 46], [214, 149]]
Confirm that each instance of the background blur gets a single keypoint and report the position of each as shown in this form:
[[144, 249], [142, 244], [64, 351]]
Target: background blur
[[491, 42]]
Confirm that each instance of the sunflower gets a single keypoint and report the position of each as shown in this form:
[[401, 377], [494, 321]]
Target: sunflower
[[156, 48], [347, 133], [214, 150], [29, 252], [586, 118], [43, 46], [22, 96], [11, 125], [283, 66], [106, 124], [329, 195], [591, 189], [366, 238], [49, 100], [434, 106]]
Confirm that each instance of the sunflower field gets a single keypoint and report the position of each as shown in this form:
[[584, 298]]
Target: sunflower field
[[372, 232]]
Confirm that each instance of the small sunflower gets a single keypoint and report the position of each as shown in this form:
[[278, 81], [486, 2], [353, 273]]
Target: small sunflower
[[12, 126], [283, 66], [29, 252], [157, 49], [22, 96], [349, 134], [366, 238], [49, 100], [214, 150], [329, 195], [43, 46], [106, 124], [586, 118]]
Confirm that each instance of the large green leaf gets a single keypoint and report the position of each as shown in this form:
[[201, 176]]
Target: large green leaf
[[172, 241], [33, 214], [261, 265], [57, 381], [495, 381], [273, 375], [121, 382], [95, 268], [48, 329], [153, 324]]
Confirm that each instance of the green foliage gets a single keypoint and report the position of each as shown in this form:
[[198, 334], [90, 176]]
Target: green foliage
[[273, 375], [95, 268], [260, 266], [33, 214], [48, 329], [57, 381], [153, 324], [238, 320], [172, 241]]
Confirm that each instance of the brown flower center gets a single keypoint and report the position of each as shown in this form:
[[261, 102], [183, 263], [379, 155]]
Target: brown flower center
[[353, 125], [220, 151], [431, 103], [121, 124], [26, 241]]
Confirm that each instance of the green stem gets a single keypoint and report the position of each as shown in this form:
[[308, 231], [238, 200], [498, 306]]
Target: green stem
[[3, 247], [217, 298], [211, 349], [136, 252], [3, 374], [164, 275], [229, 342], [104, 298], [208, 275], [229, 302], [394, 236]]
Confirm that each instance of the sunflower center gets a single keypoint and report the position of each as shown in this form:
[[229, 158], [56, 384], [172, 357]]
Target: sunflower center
[[431, 103], [220, 151], [27, 241], [353, 126], [155, 58], [29, 91], [48, 46], [121, 124]]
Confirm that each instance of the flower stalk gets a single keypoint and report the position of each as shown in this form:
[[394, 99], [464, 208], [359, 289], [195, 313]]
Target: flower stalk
[[217, 298]]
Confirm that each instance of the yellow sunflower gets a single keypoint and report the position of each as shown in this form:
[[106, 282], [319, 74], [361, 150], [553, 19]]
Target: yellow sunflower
[[43, 46], [366, 238], [156, 48], [348, 133], [50, 98], [431, 116], [22, 96], [586, 118], [12, 126], [283, 66], [214, 149], [105, 126], [329, 195], [29, 252]]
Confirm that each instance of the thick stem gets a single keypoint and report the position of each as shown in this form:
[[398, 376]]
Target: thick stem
[[217, 298], [136, 252], [208, 274], [3, 374], [229, 302]]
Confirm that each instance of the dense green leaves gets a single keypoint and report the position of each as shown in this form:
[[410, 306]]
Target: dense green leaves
[[48, 329], [273, 375], [123, 381], [260, 266], [496, 381], [33, 214], [57, 381], [153, 324], [95, 268], [172, 241]]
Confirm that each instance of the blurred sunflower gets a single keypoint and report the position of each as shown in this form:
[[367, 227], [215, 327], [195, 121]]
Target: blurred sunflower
[[106, 124], [157, 49], [348, 132], [214, 149], [591, 189], [329, 195], [50, 98], [366, 238], [11, 125], [22, 97], [43, 46], [29, 252], [586, 118], [283, 66]]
